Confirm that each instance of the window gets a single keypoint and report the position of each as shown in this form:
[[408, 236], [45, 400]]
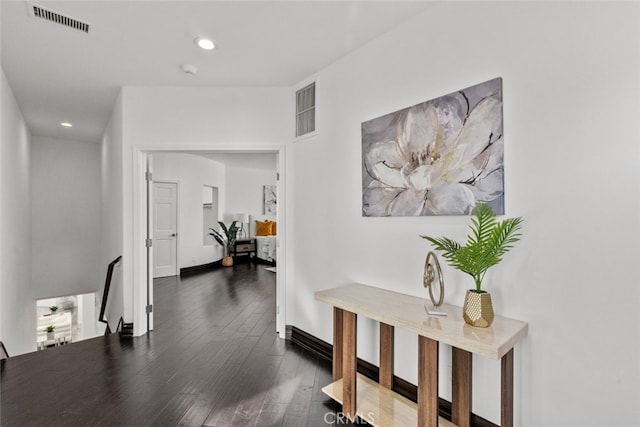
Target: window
[[306, 110]]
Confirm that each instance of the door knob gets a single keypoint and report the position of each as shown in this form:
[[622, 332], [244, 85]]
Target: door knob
[[173, 235]]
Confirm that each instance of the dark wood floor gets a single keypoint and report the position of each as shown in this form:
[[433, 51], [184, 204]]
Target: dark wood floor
[[214, 359]]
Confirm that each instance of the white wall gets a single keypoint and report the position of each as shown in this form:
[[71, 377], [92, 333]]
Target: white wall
[[571, 82], [65, 217], [246, 175], [191, 172], [17, 313], [192, 116], [111, 214]]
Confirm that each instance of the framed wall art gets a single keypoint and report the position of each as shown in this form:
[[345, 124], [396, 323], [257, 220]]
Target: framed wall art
[[440, 157], [270, 199]]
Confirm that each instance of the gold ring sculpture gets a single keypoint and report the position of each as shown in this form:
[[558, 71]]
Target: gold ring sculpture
[[431, 265]]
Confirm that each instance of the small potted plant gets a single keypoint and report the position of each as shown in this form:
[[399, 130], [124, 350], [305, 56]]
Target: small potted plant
[[227, 240], [53, 308], [50, 330], [488, 242]]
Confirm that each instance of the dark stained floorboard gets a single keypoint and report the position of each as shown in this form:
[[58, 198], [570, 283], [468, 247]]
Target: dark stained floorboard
[[214, 359]]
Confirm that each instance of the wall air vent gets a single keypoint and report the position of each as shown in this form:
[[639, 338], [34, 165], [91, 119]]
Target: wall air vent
[[306, 110], [58, 18]]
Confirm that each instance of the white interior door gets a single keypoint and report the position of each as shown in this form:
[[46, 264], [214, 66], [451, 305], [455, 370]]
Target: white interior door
[[165, 229]]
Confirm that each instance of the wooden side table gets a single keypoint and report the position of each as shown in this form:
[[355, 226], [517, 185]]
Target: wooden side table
[[245, 247], [376, 403]]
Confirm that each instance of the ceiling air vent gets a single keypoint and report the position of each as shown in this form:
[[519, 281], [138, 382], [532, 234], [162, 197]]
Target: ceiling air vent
[[58, 18]]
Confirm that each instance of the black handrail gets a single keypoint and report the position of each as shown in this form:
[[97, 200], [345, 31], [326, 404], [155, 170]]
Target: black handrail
[[105, 294], [120, 324], [4, 354]]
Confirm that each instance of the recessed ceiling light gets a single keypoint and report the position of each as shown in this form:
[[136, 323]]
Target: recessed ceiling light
[[205, 43], [66, 124]]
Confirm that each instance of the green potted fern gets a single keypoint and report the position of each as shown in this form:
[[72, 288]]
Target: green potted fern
[[489, 240], [226, 238]]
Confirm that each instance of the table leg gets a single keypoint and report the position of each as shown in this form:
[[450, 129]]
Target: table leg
[[506, 394], [427, 382], [461, 387], [349, 364], [386, 355], [337, 343]]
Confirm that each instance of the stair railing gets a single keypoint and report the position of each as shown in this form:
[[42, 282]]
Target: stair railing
[[105, 294], [4, 354]]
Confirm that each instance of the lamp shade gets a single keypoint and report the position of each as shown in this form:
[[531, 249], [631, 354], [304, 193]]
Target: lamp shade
[[240, 217]]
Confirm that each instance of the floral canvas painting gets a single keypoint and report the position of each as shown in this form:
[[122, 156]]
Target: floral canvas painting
[[270, 199], [440, 157]]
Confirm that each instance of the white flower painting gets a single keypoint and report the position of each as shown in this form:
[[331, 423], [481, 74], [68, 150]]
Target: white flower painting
[[270, 199], [440, 157]]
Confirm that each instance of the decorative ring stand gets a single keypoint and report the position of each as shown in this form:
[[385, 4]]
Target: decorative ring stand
[[431, 265]]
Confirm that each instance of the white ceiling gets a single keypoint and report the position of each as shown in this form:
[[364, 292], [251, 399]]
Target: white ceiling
[[60, 74]]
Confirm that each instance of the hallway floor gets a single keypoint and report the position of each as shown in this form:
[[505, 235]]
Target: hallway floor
[[214, 359]]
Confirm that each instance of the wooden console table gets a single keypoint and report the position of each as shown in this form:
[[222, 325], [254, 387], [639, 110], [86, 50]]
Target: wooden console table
[[376, 403]]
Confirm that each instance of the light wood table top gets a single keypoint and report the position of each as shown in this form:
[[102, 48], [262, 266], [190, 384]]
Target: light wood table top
[[408, 312]]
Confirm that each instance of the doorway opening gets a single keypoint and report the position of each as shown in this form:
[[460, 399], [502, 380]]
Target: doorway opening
[[145, 160]]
